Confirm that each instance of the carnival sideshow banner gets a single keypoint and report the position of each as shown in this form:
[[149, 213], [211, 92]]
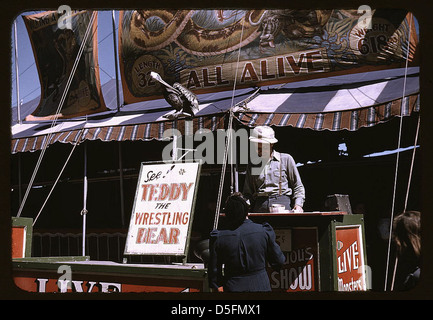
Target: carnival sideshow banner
[[200, 48], [55, 49]]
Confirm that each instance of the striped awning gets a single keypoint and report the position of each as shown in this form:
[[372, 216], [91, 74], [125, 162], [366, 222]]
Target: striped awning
[[350, 120], [334, 103], [143, 131], [141, 121]]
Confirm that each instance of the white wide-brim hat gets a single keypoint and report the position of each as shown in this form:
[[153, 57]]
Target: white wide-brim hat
[[263, 134]]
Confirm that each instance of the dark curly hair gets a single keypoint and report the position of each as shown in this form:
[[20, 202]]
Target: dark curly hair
[[407, 232], [236, 209]]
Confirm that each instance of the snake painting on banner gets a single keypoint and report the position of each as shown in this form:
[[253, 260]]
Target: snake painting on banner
[[210, 50]]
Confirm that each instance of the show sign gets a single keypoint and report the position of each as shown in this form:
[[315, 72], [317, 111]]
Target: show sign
[[163, 209], [350, 259], [49, 282], [300, 272]]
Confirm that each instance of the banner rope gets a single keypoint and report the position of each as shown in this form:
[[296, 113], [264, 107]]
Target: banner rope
[[58, 177], [56, 116], [397, 160], [228, 142]]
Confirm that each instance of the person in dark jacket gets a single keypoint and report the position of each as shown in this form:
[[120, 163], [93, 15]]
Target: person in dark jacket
[[240, 253]]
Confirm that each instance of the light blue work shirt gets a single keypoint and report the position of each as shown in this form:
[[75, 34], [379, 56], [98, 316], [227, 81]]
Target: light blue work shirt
[[279, 176]]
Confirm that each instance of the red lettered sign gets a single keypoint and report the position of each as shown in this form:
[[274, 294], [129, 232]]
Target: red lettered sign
[[350, 259], [300, 272], [162, 212]]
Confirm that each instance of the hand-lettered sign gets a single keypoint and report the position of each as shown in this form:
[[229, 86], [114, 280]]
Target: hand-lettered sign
[[301, 270], [350, 259], [163, 209]]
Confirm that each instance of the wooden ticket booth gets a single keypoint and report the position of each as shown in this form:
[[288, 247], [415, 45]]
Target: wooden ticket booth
[[325, 251]]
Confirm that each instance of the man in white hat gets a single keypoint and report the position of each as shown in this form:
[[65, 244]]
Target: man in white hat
[[279, 182]]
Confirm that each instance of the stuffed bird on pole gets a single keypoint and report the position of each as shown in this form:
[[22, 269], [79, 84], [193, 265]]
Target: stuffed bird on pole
[[181, 99]]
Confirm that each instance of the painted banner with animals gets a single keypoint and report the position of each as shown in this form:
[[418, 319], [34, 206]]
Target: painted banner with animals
[[213, 50], [55, 49]]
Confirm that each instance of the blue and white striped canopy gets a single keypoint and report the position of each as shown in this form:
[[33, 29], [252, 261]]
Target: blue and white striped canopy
[[340, 102]]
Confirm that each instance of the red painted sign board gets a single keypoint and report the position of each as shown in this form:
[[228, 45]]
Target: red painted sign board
[[44, 282], [300, 272], [350, 259], [18, 242]]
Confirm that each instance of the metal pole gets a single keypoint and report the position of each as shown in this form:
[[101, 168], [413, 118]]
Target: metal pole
[[84, 211], [20, 192], [236, 178], [174, 152], [122, 207], [17, 74], [20, 197], [115, 59]]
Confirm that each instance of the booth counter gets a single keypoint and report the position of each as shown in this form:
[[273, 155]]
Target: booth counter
[[325, 251], [87, 276]]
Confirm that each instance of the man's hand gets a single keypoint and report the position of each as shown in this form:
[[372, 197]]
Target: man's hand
[[297, 209]]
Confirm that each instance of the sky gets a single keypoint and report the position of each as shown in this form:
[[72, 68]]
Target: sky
[[29, 86]]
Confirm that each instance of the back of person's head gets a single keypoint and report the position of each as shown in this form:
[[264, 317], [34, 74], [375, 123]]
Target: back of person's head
[[407, 232], [236, 209]]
